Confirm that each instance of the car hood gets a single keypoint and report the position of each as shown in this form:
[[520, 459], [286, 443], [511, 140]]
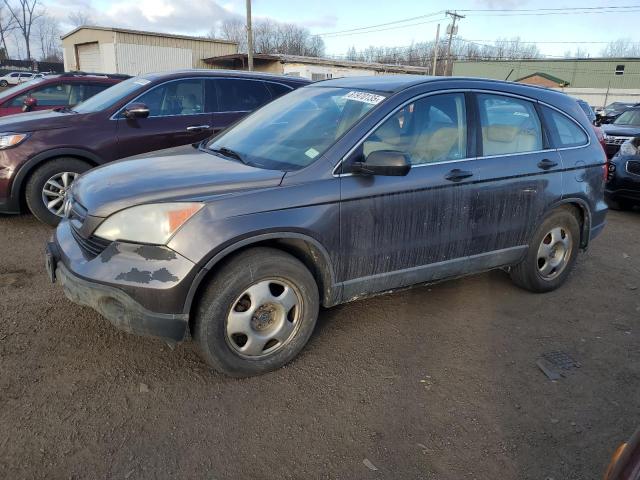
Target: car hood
[[621, 130], [174, 175], [39, 120]]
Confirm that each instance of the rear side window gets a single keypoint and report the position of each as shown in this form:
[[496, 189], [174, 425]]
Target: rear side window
[[568, 133], [509, 125], [241, 95], [277, 89]]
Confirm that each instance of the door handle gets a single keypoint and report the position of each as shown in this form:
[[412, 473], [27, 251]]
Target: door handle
[[456, 175], [198, 128], [546, 164]]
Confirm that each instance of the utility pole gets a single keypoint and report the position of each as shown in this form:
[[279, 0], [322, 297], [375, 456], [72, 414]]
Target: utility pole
[[249, 37], [451, 31], [435, 51]]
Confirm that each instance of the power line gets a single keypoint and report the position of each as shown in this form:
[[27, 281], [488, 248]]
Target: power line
[[382, 24], [619, 7], [384, 29]]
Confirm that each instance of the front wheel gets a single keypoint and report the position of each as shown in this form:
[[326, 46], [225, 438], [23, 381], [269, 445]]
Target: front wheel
[[256, 313], [4, 83], [48, 186], [551, 254]]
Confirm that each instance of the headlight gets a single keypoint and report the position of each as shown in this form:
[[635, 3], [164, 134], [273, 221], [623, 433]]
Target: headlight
[[8, 140], [154, 223]]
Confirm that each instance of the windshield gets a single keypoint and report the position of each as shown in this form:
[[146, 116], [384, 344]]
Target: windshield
[[111, 95], [630, 117], [617, 107], [19, 88], [291, 132]]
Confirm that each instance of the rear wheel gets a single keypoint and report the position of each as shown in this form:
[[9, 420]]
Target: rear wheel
[[257, 313], [551, 254], [48, 186], [4, 83]]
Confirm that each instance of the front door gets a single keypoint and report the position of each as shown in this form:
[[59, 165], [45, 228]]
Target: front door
[[177, 116]]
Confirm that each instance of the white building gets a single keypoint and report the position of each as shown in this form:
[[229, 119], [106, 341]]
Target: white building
[[313, 68], [132, 52]]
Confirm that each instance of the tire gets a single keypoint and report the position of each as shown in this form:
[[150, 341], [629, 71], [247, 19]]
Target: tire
[[4, 83], [34, 192], [619, 204], [538, 271], [240, 326]]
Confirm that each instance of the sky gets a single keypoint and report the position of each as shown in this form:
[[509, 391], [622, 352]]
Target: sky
[[324, 16]]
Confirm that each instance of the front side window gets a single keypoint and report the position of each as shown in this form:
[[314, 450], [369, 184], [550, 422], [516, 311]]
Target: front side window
[[296, 129], [509, 125], [181, 97], [432, 129], [569, 134], [241, 95]]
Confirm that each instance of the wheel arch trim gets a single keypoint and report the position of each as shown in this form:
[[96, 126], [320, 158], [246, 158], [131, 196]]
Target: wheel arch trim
[[329, 290], [27, 168], [586, 214]]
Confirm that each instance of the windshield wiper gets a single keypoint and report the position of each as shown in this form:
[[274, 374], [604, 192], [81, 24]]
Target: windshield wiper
[[227, 152]]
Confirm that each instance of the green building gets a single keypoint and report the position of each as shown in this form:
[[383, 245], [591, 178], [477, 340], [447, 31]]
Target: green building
[[599, 81]]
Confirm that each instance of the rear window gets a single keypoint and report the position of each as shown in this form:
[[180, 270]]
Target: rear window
[[569, 134]]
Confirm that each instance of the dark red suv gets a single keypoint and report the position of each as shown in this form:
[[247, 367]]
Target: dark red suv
[[41, 153], [54, 91]]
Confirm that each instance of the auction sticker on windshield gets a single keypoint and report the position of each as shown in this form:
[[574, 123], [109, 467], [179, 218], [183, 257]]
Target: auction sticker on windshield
[[142, 81], [365, 97]]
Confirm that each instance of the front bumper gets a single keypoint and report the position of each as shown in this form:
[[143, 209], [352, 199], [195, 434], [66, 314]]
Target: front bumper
[[140, 289]]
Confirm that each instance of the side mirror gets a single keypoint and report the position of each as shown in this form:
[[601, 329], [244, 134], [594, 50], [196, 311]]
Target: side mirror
[[29, 103], [383, 162], [136, 110]]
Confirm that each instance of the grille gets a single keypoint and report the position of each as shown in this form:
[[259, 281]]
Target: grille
[[633, 167], [615, 140], [92, 246]]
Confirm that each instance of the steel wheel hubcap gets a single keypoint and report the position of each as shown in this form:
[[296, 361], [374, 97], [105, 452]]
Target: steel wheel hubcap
[[554, 253], [55, 191], [264, 318]]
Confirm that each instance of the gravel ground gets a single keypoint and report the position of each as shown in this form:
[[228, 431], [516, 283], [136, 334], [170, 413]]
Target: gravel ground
[[436, 382]]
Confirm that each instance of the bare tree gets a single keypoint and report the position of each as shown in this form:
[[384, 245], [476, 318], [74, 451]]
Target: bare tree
[[623, 47], [47, 30], [270, 36], [7, 26], [25, 13], [79, 19]]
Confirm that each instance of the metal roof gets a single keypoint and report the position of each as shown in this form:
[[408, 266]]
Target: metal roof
[[142, 32], [284, 58]]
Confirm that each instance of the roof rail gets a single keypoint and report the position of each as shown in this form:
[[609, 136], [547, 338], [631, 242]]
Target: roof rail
[[92, 74]]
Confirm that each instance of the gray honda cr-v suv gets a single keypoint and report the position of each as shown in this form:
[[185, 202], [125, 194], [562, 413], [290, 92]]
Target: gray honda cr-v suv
[[339, 190]]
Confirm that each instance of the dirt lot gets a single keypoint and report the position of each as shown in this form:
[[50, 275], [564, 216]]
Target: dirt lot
[[433, 383]]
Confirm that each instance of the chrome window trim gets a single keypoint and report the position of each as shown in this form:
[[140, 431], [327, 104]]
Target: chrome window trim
[[464, 90], [114, 116]]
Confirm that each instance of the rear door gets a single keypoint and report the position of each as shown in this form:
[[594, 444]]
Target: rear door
[[178, 116], [518, 172], [236, 97]]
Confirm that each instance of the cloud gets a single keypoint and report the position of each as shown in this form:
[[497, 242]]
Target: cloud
[[171, 16]]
